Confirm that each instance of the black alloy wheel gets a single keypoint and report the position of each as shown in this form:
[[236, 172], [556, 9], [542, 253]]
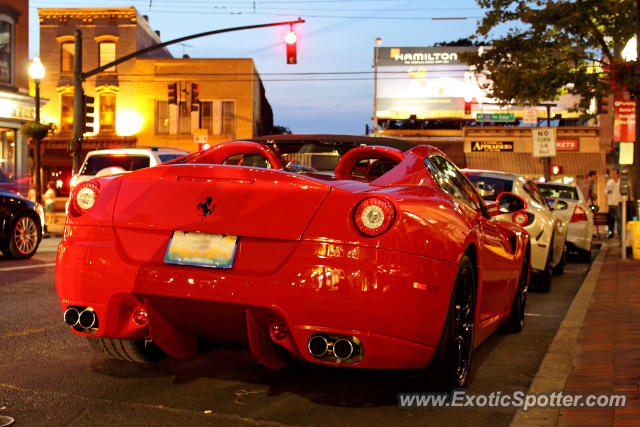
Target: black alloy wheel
[[24, 237], [515, 322], [450, 366], [464, 322]]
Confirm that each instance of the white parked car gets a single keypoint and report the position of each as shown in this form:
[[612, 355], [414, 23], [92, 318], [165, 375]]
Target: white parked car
[[118, 160], [548, 232], [571, 205], [112, 161]]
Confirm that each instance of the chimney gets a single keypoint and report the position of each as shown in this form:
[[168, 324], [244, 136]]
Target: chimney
[[146, 17], [158, 33]]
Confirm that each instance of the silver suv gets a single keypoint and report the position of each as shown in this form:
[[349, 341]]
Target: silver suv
[[119, 160]]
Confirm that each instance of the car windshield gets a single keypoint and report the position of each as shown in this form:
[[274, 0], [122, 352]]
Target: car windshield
[[558, 191], [166, 157], [128, 162], [490, 187]]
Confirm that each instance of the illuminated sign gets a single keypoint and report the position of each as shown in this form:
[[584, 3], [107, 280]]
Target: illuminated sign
[[433, 83], [567, 144], [491, 146]]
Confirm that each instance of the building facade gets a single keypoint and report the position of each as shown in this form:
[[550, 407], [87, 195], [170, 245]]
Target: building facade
[[16, 106], [215, 99]]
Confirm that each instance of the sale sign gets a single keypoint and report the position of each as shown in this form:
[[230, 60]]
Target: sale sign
[[624, 121]]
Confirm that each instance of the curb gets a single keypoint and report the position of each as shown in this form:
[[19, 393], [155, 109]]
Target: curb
[[558, 362]]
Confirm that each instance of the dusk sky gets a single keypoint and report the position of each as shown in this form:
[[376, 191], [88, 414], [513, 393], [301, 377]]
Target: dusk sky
[[330, 90]]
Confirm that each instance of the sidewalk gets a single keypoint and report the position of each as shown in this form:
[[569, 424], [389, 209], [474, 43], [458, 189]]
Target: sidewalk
[[596, 349], [55, 229], [607, 356]]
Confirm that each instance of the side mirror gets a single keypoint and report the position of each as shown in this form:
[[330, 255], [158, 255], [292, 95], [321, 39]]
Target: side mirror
[[594, 208], [506, 203]]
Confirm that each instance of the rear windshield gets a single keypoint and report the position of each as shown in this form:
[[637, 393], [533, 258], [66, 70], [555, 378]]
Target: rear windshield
[[128, 162], [558, 191], [490, 187]]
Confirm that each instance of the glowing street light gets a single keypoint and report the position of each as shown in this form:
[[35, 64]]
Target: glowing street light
[[36, 71]]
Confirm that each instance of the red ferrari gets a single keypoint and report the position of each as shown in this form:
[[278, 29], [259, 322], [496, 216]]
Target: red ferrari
[[326, 248]]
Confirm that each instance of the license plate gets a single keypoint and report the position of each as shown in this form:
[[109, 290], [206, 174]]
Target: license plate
[[201, 249]]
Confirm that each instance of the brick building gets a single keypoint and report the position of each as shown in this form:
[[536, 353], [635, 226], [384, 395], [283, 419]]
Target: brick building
[[16, 106], [131, 99]]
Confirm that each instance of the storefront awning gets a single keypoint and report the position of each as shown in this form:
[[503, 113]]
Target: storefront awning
[[576, 164]]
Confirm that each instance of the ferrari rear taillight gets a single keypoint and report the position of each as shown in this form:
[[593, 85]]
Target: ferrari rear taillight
[[374, 216], [84, 197], [578, 214], [520, 218]]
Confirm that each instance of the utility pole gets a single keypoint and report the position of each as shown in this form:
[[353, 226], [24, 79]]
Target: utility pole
[[75, 147], [635, 168], [78, 106]]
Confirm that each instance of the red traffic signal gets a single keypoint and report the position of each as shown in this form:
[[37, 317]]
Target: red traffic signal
[[172, 92], [467, 107], [290, 39], [556, 170]]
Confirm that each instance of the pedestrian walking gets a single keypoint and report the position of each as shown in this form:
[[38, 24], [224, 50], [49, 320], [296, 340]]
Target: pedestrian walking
[[589, 188], [612, 190], [49, 200]]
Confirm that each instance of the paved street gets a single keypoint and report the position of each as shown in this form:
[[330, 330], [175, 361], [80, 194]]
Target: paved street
[[48, 376]]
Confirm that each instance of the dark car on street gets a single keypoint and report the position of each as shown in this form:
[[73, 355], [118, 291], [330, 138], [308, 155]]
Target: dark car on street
[[21, 225]]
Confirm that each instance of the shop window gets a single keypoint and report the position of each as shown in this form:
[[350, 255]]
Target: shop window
[[107, 54], [66, 112], [107, 112], [228, 117], [67, 53], [6, 50], [218, 117], [162, 118]]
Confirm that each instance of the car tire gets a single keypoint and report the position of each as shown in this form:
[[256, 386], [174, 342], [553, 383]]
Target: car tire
[[584, 256], [449, 368], [24, 236], [543, 279], [138, 351], [515, 322], [559, 269]]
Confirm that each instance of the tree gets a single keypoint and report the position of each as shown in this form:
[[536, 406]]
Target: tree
[[280, 130], [552, 47]]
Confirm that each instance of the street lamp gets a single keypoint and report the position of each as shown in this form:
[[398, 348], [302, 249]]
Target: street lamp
[[36, 71], [375, 87]]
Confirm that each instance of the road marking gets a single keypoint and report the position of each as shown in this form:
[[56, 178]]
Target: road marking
[[23, 333], [541, 315], [27, 267]]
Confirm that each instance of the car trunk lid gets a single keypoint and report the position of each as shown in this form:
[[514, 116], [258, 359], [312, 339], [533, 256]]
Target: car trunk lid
[[217, 199]]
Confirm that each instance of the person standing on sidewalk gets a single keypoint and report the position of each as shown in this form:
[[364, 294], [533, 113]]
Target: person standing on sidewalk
[[49, 200], [612, 190]]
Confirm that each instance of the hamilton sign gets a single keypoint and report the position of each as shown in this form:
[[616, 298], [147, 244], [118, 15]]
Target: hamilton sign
[[421, 55]]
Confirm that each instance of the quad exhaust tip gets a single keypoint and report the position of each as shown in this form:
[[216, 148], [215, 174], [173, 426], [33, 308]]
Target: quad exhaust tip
[[71, 316], [82, 319], [335, 348]]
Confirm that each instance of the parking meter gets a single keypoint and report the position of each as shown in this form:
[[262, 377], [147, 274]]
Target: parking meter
[[624, 182]]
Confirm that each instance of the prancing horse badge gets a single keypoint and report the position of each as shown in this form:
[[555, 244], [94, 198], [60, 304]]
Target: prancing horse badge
[[206, 207]]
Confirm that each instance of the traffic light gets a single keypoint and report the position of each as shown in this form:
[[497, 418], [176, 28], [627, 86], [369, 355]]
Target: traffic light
[[290, 39], [89, 114], [173, 93], [195, 96], [467, 107], [556, 170]]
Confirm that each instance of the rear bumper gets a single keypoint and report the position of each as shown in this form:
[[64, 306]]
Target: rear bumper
[[579, 234], [394, 303]]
